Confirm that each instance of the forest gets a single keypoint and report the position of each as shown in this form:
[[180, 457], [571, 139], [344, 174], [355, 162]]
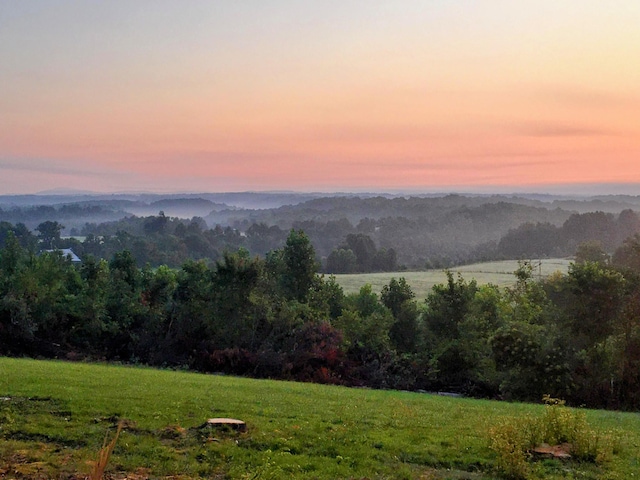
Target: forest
[[573, 336], [350, 234]]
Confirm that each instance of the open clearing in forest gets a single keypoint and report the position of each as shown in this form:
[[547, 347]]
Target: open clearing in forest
[[54, 416], [497, 273]]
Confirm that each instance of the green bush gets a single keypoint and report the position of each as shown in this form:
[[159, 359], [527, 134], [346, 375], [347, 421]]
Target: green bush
[[509, 441], [514, 439]]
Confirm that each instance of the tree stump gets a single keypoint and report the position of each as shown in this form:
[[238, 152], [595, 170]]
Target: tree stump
[[231, 423], [561, 452]]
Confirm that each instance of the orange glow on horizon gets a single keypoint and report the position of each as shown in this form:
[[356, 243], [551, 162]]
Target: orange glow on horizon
[[303, 97]]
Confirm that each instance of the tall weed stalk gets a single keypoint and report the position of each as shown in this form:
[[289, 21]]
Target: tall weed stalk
[[97, 472]]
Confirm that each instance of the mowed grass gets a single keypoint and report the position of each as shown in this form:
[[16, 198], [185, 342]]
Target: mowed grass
[[497, 273], [54, 416]]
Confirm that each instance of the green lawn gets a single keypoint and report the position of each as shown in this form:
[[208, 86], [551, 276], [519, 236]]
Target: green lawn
[[54, 415], [498, 273]]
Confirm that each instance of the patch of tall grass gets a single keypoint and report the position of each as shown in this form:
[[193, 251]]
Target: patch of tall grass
[[514, 440]]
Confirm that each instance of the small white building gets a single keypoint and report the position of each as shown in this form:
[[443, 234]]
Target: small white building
[[67, 253]]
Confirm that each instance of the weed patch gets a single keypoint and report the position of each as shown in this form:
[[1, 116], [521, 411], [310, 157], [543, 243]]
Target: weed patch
[[560, 433]]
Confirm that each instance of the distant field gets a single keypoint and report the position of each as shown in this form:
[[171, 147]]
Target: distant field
[[498, 273], [54, 416]]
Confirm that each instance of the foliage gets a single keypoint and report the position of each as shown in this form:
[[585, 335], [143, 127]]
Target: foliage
[[19, 231], [399, 299], [300, 266], [573, 335], [532, 241], [592, 251], [49, 234], [348, 233], [628, 254], [508, 439], [513, 440], [341, 260]]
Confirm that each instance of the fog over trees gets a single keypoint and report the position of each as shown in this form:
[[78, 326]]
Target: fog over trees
[[349, 233]]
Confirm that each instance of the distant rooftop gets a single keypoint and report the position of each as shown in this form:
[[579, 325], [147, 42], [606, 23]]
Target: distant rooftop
[[67, 252]]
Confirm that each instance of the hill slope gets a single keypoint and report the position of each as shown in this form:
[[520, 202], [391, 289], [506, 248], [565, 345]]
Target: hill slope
[[54, 416]]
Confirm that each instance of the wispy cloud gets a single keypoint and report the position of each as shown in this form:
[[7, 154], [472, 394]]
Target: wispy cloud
[[581, 97], [52, 166], [551, 129], [393, 133]]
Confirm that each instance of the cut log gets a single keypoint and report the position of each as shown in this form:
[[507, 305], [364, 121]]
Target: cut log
[[561, 451], [232, 423]]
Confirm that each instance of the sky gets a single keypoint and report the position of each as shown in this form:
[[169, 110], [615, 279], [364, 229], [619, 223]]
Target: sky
[[325, 95]]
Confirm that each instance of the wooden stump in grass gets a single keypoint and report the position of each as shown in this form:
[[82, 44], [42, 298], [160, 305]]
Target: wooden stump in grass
[[561, 452], [231, 423]]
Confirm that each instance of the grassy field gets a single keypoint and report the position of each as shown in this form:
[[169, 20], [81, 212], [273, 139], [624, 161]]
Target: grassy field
[[54, 416], [498, 273]]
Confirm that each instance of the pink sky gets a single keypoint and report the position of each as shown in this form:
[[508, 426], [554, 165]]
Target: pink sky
[[378, 95]]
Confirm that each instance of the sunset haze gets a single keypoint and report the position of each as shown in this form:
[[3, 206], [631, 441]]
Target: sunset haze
[[335, 95]]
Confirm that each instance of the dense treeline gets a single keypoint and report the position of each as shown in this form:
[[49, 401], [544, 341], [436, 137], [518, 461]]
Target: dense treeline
[[424, 232], [575, 336], [74, 215], [387, 244], [349, 234], [544, 240]]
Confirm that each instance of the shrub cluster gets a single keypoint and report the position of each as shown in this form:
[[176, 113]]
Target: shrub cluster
[[515, 440]]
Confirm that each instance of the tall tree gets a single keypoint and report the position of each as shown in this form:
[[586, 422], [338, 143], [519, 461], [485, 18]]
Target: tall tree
[[364, 249], [398, 297], [628, 254], [235, 278], [300, 266], [49, 234]]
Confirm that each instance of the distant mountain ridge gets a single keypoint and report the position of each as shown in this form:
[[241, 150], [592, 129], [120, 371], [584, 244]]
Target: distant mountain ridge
[[264, 200], [285, 209]]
